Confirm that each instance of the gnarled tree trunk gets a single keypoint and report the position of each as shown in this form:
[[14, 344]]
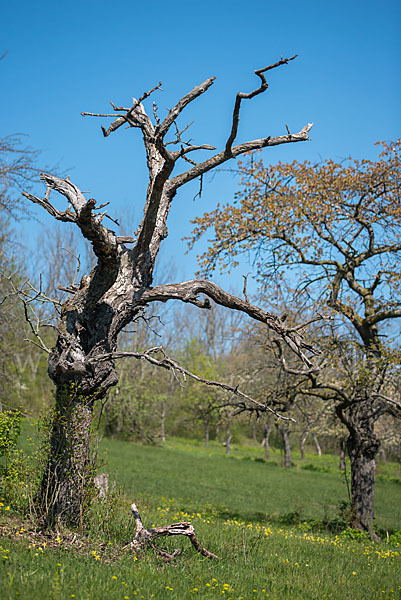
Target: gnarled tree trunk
[[363, 447], [362, 453], [69, 470]]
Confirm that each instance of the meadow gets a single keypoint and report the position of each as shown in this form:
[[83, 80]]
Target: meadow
[[279, 533]]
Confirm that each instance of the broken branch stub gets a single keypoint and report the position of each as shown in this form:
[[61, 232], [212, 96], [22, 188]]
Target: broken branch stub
[[144, 537]]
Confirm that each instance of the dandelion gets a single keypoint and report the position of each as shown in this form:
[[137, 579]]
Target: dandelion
[[113, 577], [354, 572]]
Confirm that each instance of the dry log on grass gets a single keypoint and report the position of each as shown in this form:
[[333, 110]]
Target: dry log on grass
[[144, 537]]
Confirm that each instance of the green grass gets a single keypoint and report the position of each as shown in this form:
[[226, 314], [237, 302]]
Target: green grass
[[285, 564], [255, 452], [238, 507], [248, 489]]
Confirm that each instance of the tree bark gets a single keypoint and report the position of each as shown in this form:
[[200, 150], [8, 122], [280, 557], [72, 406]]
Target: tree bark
[[85, 331], [362, 454], [206, 423], [302, 439], [285, 432], [266, 433], [317, 445], [228, 438], [363, 447], [66, 482], [342, 455], [163, 422]]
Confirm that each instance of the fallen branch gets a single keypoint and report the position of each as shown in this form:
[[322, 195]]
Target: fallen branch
[[144, 537]]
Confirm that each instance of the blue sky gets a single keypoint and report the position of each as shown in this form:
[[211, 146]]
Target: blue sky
[[65, 58]]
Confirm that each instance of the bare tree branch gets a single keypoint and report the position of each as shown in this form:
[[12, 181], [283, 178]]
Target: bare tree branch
[[103, 240], [161, 162], [189, 291], [134, 116], [28, 297], [65, 216], [179, 107], [241, 96], [222, 157], [171, 365]]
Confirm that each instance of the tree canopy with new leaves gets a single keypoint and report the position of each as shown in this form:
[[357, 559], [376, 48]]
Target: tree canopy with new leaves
[[341, 219], [331, 231]]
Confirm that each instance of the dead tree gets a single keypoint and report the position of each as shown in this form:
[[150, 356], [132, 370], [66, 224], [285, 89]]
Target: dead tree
[[119, 288]]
